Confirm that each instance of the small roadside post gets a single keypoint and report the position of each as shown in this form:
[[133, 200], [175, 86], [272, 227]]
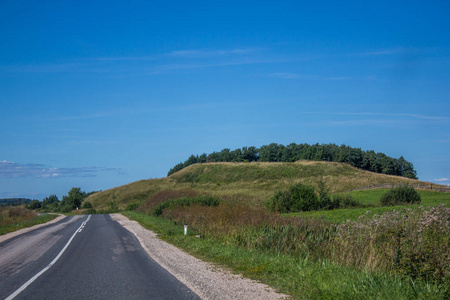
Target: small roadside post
[[185, 229]]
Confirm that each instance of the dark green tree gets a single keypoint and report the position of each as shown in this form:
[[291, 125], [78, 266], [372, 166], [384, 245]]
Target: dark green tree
[[249, 154], [49, 201], [35, 204], [74, 199]]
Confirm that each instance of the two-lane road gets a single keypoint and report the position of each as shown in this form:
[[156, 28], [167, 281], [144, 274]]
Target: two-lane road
[[93, 258]]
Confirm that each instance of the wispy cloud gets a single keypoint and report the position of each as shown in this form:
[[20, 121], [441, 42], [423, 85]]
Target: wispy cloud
[[391, 51], [415, 116], [441, 179], [444, 181], [103, 114], [123, 58], [307, 77], [203, 53], [285, 75], [149, 64], [17, 170]]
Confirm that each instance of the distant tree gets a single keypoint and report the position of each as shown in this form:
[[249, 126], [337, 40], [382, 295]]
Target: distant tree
[[74, 199], [202, 158], [213, 157], [271, 153], [35, 204], [250, 154], [224, 155], [48, 201], [407, 168], [236, 156], [175, 169], [190, 161]]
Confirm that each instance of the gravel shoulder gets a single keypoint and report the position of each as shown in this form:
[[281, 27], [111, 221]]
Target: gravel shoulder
[[205, 279]]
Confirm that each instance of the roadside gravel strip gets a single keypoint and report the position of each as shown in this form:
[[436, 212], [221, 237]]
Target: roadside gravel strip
[[205, 279]]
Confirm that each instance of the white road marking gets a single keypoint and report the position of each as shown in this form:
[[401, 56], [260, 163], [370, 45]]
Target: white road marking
[[26, 284]]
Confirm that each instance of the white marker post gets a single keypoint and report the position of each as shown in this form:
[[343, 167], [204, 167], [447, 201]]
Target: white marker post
[[185, 229]]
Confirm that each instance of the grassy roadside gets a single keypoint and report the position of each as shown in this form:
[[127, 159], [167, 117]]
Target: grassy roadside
[[4, 229], [298, 276]]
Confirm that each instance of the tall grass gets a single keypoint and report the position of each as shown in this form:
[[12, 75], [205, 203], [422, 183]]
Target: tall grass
[[414, 242], [13, 218], [302, 277], [15, 214]]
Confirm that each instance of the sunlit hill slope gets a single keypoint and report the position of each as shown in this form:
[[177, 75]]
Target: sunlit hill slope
[[247, 182]]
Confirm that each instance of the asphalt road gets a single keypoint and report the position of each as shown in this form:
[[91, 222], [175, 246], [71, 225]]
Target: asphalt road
[[83, 257]]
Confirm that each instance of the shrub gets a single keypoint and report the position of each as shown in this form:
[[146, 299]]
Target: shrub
[[132, 206], [165, 195], [343, 201], [87, 204], [90, 211], [400, 195], [297, 198], [66, 209]]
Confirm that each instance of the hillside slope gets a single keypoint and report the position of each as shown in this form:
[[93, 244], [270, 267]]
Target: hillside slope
[[250, 182]]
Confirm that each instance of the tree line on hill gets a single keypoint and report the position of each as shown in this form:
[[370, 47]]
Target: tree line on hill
[[14, 201], [366, 160]]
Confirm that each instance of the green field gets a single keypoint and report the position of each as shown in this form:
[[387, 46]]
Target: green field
[[371, 198]]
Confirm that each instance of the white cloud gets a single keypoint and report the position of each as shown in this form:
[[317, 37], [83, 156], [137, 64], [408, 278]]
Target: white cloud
[[441, 180], [16, 170]]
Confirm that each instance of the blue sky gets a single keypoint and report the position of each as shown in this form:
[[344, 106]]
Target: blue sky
[[97, 94]]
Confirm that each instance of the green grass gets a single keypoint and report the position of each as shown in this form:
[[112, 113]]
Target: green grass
[[300, 277], [371, 198], [24, 224]]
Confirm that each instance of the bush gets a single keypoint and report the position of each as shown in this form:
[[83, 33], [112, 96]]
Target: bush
[[297, 198], [343, 201], [400, 195], [87, 204], [66, 209], [132, 206], [90, 211]]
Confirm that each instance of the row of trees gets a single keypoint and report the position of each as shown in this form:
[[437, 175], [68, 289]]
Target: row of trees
[[14, 201], [366, 160], [75, 199]]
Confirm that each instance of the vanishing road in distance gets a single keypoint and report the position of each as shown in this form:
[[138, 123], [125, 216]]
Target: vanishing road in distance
[[83, 257]]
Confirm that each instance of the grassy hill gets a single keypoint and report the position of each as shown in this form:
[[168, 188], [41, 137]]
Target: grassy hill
[[314, 255], [250, 182]]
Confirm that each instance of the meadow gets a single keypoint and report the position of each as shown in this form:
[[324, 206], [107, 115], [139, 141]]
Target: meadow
[[368, 251]]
